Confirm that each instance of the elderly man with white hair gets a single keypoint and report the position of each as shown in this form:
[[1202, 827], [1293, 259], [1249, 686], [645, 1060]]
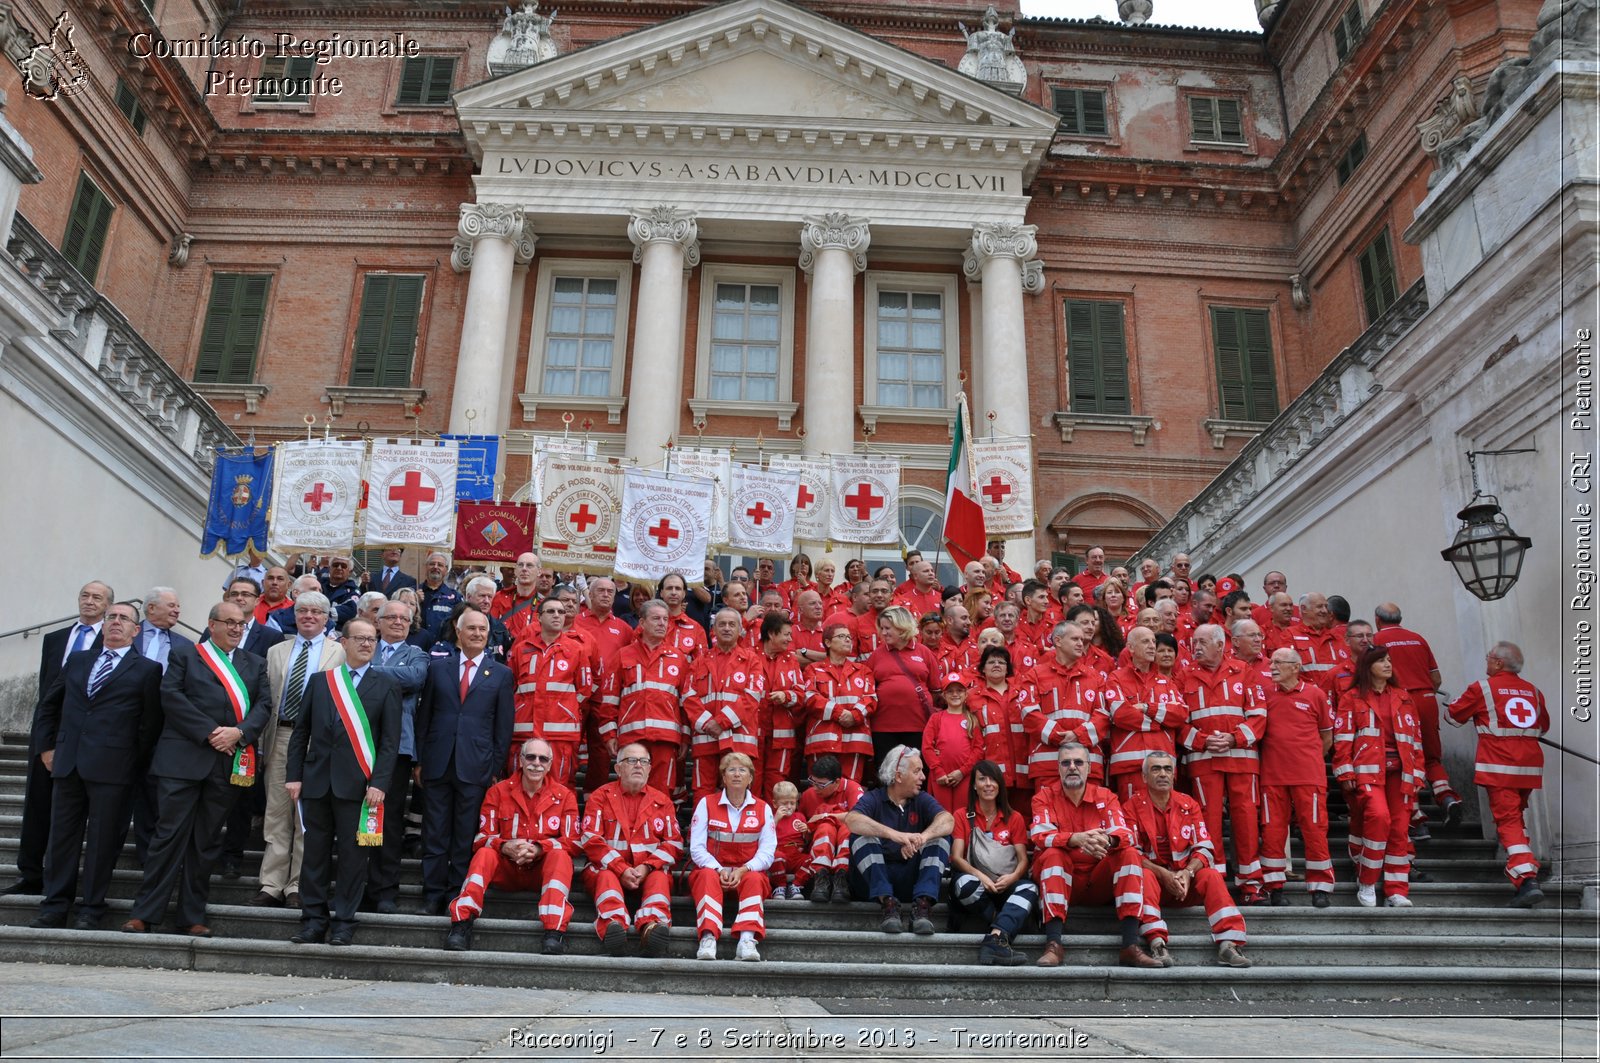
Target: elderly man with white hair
[[479, 593], [156, 638], [900, 843]]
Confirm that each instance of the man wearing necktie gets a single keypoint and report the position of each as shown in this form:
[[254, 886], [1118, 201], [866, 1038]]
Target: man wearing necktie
[[93, 601], [292, 665], [464, 721], [329, 777], [158, 634], [102, 716], [202, 694], [389, 578], [407, 665]]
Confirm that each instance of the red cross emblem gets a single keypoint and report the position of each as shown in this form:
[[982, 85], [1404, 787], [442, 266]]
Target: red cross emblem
[[996, 490], [582, 518], [317, 496], [864, 502], [805, 497], [759, 512], [411, 494], [663, 533]]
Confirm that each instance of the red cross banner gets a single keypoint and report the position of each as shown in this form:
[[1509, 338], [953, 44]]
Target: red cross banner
[[411, 493], [811, 497], [578, 517], [865, 506], [665, 525], [547, 447], [761, 505], [494, 532], [316, 492], [1003, 468], [715, 464]]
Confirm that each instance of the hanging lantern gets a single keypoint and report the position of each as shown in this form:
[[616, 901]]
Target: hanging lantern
[[1487, 552]]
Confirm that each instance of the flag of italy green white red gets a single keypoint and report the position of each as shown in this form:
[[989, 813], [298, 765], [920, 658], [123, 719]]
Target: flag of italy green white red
[[963, 516]]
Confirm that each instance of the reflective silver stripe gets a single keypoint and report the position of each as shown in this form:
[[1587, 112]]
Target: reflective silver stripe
[[648, 685], [648, 722], [527, 688], [1509, 732], [1508, 769], [521, 728], [573, 727], [720, 697], [783, 732], [1206, 714], [733, 837], [564, 688]]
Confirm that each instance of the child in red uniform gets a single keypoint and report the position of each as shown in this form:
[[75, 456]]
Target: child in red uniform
[[789, 871], [952, 743]]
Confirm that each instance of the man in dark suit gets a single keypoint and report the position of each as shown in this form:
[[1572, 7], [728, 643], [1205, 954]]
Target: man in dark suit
[[158, 634], [407, 665], [101, 718], [331, 779], [388, 579], [93, 601], [193, 763], [464, 721], [258, 639]]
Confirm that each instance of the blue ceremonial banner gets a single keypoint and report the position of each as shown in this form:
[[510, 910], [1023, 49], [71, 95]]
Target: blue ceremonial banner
[[241, 492], [479, 458]]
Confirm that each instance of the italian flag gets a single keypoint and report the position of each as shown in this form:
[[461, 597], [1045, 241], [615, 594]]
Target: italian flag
[[964, 534]]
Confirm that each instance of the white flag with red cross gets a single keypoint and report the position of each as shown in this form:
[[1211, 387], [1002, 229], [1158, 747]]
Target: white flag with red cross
[[865, 506], [718, 465], [411, 493], [1003, 469], [811, 496], [665, 525], [761, 511], [315, 495], [578, 517]]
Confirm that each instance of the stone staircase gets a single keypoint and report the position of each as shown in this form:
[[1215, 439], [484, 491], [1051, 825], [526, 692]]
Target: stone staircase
[[1458, 943]]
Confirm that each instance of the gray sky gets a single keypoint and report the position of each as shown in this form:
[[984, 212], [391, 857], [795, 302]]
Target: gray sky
[[1221, 14]]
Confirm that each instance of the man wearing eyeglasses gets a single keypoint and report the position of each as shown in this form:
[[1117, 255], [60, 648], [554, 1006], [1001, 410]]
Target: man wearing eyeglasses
[[215, 699], [527, 833], [555, 672], [631, 840], [824, 807]]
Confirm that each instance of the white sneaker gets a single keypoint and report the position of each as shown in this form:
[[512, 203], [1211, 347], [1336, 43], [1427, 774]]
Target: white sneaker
[[747, 951], [708, 948], [1367, 896], [1394, 900]]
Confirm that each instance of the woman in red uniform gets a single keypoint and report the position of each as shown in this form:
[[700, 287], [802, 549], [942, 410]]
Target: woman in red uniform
[[989, 865], [799, 580], [732, 840], [840, 700], [1377, 758], [952, 742], [996, 698], [903, 672]]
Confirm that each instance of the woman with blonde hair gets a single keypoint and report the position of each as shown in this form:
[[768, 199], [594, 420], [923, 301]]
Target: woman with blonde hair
[[732, 840], [903, 671]]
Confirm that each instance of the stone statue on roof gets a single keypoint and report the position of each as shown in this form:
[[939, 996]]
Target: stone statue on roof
[[992, 55], [524, 39]]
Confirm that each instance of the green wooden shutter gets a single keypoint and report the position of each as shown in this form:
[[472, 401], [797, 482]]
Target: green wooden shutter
[[232, 332], [1081, 367], [405, 303], [1259, 378], [1230, 364], [386, 331], [87, 225], [441, 72], [1113, 358], [413, 81], [1230, 121], [1094, 112], [1097, 354], [1379, 285], [1246, 384], [1202, 118]]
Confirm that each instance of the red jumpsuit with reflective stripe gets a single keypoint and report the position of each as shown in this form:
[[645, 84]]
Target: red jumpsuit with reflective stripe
[[1150, 713], [554, 683], [733, 839], [641, 699], [1059, 702], [830, 690], [685, 635], [1509, 715], [1377, 748], [1067, 874], [727, 687], [1413, 664], [1005, 739], [830, 839], [1323, 654], [622, 831], [1223, 701], [782, 708], [1174, 838], [549, 819]]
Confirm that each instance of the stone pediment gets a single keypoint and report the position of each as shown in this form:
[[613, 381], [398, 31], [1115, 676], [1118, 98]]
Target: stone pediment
[[764, 64]]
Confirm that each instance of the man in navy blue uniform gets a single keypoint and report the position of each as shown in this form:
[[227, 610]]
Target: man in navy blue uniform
[[900, 843], [438, 597]]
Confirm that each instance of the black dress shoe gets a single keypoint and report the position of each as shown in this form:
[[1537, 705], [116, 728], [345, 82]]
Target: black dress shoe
[[86, 922], [23, 886], [309, 935], [1320, 899], [1277, 899], [460, 937], [386, 908], [265, 900], [555, 943], [292, 901], [230, 870], [437, 906], [342, 938], [50, 921]]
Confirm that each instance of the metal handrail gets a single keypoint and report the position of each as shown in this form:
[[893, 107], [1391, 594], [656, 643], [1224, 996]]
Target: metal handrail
[[29, 631], [1568, 752]]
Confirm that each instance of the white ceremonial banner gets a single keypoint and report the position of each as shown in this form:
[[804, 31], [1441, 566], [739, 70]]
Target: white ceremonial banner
[[665, 525], [865, 500], [716, 465], [811, 498], [761, 507], [545, 447], [1003, 468], [411, 493], [315, 495], [578, 517]]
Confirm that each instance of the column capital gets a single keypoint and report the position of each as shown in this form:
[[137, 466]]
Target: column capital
[[500, 220], [835, 229], [996, 240], [665, 223]]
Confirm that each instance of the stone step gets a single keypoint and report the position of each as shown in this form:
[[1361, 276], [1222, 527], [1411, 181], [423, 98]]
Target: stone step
[[1076, 982], [1094, 947]]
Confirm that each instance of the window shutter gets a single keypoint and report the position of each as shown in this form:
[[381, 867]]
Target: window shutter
[[405, 301], [369, 332], [1341, 40], [1230, 363], [1097, 354], [87, 224], [1262, 394], [219, 323], [1388, 289], [441, 72], [1094, 113], [1081, 357], [1230, 122], [1113, 358], [1201, 118], [249, 314], [413, 77]]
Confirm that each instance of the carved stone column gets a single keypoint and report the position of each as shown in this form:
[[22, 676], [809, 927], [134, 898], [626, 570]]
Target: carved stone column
[[665, 244], [1001, 258], [833, 249], [487, 239], [508, 373]]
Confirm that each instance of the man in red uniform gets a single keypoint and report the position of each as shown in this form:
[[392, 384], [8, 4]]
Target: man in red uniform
[[1148, 719], [1034, 625], [1064, 699], [864, 625], [610, 633], [722, 703], [1294, 780], [1417, 673], [824, 805], [1279, 627], [631, 841], [527, 833], [1025, 653], [807, 631], [1087, 855], [782, 702], [923, 594], [1094, 572], [1273, 582], [1222, 743], [1509, 715], [955, 649], [555, 675], [1180, 570], [641, 697], [1178, 861], [1320, 644], [517, 606], [1247, 649], [1357, 640]]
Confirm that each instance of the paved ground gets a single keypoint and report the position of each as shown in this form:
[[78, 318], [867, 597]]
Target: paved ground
[[49, 1011]]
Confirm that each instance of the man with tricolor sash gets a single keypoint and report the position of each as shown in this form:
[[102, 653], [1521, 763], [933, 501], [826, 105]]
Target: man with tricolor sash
[[215, 701], [341, 757]]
